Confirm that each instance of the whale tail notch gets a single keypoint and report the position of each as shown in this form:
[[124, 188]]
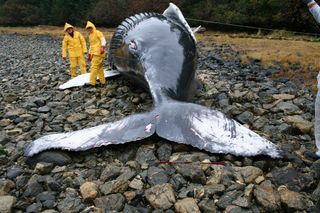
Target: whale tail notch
[[180, 122]]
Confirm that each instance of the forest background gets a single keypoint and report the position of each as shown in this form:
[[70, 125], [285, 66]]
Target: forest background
[[289, 15]]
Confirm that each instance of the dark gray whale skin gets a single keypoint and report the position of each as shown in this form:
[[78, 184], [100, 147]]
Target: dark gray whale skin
[[159, 52], [165, 55]]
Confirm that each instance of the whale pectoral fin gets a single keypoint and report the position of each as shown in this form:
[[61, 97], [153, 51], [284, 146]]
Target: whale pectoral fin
[[131, 128], [174, 13], [81, 80], [210, 130]]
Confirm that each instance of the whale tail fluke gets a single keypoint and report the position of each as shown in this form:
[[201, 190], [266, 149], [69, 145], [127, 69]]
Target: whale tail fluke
[[181, 122], [131, 128], [210, 130]]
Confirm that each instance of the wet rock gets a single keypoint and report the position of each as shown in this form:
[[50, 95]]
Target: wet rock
[[161, 196], [71, 201], [260, 122], [127, 154], [283, 96], [6, 186], [164, 152], [22, 181], [293, 200], [288, 108], [14, 113], [267, 196], [136, 100], [316, 193], [192, 172], [110, 171], [34, 208], [115, 186], [245, 117], [223, 100], [220, 174], [156, 176], [34, 186], [315, 169], [14, 132], [298, 122], [39, 102], [193, 190], [213, 189], [226, 199], [242, 201], [92, 111], [207, 206], [136, 183], [145, 154], [18, 120], [127, 174], [133, 209], [92, 209], [177, 181], [14, 172], [43, 168], [259, 180], [54, 157], [5, 122], [186, 205], [7, 203], [250, 173], [89, 190], [49, 211], [237, 209], [76, 117], [113, 202], [53, 184], [47, 199], [291, 178], [44, 109]]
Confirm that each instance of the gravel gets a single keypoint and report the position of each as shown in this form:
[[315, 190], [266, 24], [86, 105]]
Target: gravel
[[130, 177]]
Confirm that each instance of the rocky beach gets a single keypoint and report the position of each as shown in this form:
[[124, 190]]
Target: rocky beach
[[153, 175]]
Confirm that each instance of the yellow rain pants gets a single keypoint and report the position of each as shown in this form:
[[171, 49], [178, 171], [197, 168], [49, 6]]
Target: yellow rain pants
[[96, 69], [74, 61]]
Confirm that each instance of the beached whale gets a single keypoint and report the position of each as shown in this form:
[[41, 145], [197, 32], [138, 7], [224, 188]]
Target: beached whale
[[159, 51]]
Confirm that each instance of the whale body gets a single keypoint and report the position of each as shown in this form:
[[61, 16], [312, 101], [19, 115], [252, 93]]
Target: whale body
[[159, 52]]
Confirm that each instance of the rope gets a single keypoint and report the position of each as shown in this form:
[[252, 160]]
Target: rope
[[250, 27]]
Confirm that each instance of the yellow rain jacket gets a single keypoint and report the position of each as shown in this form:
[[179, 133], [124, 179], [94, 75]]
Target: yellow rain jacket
[[76, 45], [96, 40]]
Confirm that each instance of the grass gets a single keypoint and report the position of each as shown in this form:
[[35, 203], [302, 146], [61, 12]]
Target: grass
[[48, 30], [273, 50], [280, 47]]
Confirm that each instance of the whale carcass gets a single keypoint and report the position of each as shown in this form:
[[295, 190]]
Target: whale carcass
[[159, 52]]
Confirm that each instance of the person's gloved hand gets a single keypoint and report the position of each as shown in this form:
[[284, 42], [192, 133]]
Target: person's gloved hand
[[307, 1], [102, 49], [64, 58], [88, 57]]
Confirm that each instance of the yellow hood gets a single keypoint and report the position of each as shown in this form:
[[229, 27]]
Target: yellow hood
[[90, 24], [66, 26]]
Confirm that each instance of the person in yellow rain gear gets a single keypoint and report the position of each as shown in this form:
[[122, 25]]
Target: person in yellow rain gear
[[77, 48], [96, 54]]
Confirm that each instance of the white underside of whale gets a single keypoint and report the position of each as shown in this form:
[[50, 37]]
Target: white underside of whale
[[83, 79]]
